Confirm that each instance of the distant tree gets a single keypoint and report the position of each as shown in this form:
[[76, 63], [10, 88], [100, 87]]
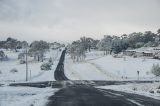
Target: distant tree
[[158, 31], [77, 50], [88, 43], [38, 48], [105, 44], [156, 69], [139, 44], [149, 36], [2, 44], [2, 55], [133, 38], [125, 41], [94, 44], [22, 45], [11, 43], [116, 44]]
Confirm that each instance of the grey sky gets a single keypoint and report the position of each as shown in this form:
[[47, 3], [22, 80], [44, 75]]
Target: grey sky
[[67, 20]]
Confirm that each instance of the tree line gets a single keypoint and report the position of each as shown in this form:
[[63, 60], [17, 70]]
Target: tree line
[[36, 49], [113, 44]]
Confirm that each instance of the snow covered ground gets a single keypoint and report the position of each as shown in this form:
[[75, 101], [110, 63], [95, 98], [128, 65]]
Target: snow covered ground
[[85, 70], [146, 89], [34, 68], [127, 67], [25, 96], [99, 67]]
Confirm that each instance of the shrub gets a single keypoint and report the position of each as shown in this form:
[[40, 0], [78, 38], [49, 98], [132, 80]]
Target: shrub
[[14, 70], [46, 66], [158, 87], [151, 91], [134, 89], [22, 62], [158, 91], [156, 69], [3, 56], [50, 61]]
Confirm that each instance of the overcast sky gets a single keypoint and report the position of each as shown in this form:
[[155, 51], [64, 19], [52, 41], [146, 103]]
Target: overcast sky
[[67, 20]]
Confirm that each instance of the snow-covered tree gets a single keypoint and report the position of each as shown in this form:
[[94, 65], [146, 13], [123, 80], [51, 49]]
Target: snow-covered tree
[[2, 55], [77, 50], [105, 44], [38, 49], [156, 69], [11, 43], [46, 66]]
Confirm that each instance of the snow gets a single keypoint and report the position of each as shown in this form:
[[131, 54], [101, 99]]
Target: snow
[[127, 67], [25, 96], [100, 67], [141, 89], [95, 67], [85, 70], [34, 68]]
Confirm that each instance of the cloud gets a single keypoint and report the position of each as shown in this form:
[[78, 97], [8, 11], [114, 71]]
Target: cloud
[[69, 19]]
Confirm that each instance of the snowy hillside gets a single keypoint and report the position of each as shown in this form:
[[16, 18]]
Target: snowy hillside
[[110, 68], [35, 73], [25, 96]]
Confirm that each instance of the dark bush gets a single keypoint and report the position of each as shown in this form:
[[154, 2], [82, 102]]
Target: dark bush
[[46, 66]]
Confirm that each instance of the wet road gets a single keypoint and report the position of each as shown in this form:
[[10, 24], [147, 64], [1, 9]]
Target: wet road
[[90, 96]]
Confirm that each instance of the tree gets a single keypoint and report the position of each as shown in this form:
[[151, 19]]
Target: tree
[[94, 44], [133, 38], [2, 55], [77, 50], [38, 48], [116, 44], [158, 31], [156, 69], [11, 43], [148, 36], [105, 44]]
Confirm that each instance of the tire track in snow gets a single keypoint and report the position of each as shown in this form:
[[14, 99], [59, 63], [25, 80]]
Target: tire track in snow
[[108, 74], [71, 71]]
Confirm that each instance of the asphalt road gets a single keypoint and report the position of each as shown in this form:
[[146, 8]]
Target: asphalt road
[[90, 96], [59, 72]]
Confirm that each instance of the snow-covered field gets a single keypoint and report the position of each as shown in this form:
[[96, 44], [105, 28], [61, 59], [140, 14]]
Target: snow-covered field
[[110, 68], [25, 96], [127, 67], [146, 89], [35, 73]]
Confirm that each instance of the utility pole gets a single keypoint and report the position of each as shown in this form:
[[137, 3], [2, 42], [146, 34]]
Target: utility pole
[[138, 74], [30, 75], [26, 65]]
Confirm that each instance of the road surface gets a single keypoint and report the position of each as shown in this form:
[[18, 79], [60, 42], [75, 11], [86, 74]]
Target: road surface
[[90, 96]]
